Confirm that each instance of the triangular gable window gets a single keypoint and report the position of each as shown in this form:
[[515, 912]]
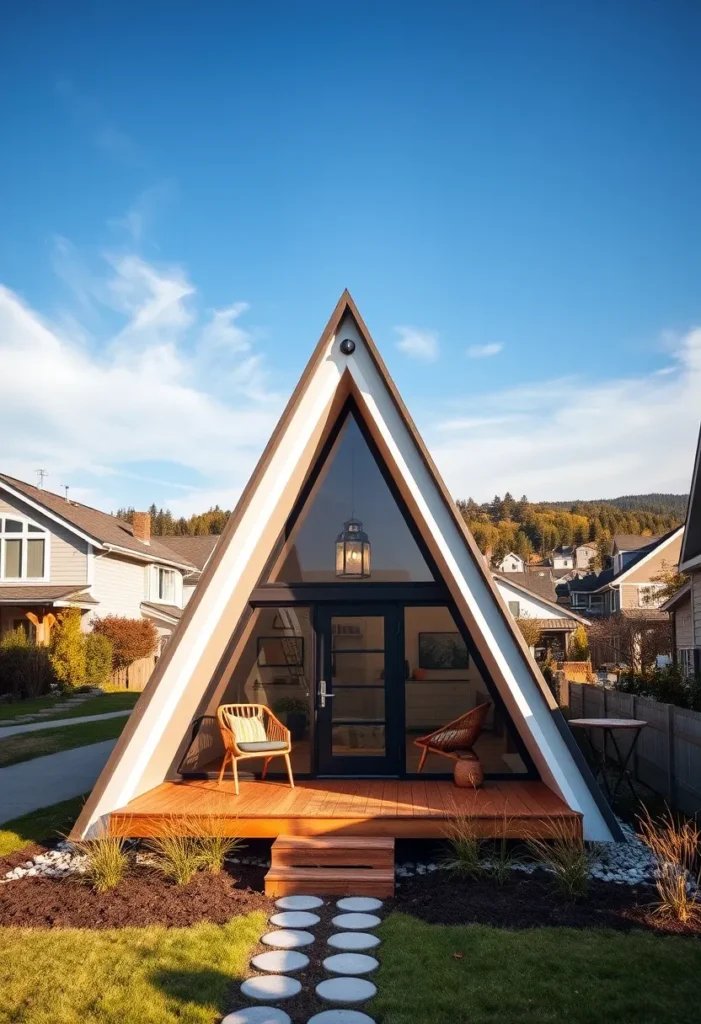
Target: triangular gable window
[[350, 527]]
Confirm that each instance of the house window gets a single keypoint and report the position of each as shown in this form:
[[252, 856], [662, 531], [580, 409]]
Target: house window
[[515, 608], [23, 550], [166, 586], [685, 658]]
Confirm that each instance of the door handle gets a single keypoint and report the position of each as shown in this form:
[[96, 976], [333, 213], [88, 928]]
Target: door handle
[[323, 695]]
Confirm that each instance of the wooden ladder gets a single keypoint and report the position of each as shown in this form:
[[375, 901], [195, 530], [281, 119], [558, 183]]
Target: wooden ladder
[[331, 865]]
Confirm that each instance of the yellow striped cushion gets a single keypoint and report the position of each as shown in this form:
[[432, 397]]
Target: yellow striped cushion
[[247, 730]]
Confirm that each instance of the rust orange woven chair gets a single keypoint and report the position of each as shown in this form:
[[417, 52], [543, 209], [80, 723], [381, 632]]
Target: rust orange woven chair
[[252, 730], [457, 737]]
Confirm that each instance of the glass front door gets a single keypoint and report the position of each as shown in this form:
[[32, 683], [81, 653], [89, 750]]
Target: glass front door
[[358, 679]]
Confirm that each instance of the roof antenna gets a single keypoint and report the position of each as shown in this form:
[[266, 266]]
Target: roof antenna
[[41, 473], [66, 488]]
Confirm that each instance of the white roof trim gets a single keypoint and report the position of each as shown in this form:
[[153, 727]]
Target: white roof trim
[[636, 565], [145, 556], [49, 514]]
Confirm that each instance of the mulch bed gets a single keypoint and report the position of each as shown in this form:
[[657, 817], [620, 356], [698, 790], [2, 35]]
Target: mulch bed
[[530, 902]]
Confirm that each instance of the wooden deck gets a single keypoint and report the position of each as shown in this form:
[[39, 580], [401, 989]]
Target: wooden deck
[[400, 809]]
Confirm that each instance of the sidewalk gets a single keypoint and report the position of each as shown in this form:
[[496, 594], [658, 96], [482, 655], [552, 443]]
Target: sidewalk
[[14, 730], [46, 780]]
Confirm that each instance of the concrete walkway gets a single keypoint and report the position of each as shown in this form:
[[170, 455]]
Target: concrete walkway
[[14, 730], [46, 780]]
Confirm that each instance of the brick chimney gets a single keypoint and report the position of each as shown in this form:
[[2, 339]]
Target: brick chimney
[[141, 526]]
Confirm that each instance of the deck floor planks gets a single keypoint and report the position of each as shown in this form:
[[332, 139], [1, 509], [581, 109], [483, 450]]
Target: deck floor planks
[[365, 807]]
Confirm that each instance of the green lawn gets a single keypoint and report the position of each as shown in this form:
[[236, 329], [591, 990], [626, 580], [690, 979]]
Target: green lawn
[[113, 700], [150, 975], [46, 823], [534, 976], [25, 746]]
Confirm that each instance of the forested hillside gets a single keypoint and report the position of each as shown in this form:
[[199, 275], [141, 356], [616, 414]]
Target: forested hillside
[[534, 529]]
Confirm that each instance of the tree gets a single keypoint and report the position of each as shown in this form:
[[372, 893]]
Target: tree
[[671, 581], [579, 645], [631, 640], [530, 629], [131, 638], [67, 650]]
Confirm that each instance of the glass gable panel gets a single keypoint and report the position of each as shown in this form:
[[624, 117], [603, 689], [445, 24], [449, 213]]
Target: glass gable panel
[[13, 559], [350, 489], [35, 559]]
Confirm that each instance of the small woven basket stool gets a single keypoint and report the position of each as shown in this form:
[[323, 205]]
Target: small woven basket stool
[[468, 772]]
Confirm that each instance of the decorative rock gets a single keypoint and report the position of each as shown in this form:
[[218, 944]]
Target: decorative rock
[[353, 941], [286, 939], [258, 1015], [362, 904], [299, 903], [356, 921], [280, 961], [295, 919], [345, 990], [338, 1017], [350, 963], [271, 986]]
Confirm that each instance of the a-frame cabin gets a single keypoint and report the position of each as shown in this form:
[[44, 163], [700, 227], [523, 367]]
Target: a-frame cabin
[[347, 582]]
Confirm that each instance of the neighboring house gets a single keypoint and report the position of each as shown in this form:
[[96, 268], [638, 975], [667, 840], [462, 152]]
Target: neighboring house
[[532, 595], [197, 550], [685, 606], [511, 563], [56, 553], [629, 585], [573, 556]]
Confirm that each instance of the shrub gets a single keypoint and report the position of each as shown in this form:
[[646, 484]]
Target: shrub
[[98, 659], [131, 639], [25, 669], [530, 629], [67, 650], [674, 843], [107, 860], [579, 645], [667, 685], [566, 855]]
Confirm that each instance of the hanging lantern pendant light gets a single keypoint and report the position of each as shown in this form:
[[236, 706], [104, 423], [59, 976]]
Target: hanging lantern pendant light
[[352, 543]]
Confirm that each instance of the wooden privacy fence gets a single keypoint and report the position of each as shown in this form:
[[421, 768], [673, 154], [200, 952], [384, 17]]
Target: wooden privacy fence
[[667, 757], [136, 675]]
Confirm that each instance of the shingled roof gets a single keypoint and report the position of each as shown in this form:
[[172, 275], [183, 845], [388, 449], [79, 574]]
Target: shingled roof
[[196, 549], [106, 530], [539, 582]]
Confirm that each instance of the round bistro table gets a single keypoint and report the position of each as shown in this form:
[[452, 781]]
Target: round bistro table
[[609, 727]]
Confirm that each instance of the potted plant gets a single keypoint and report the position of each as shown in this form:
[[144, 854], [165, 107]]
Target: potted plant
[[295, 711]]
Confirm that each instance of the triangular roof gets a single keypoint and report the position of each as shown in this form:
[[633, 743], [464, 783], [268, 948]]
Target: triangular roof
[[147, 747]]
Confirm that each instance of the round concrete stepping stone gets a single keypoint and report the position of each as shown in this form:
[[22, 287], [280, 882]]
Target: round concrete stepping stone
[[362, 904], [339, 1017], [345, 990], [350, 963], [295, 919], [353, 941], [299, 903], [271, 986], [260, 1015], [286, 939], [280, 961], [356, 921]]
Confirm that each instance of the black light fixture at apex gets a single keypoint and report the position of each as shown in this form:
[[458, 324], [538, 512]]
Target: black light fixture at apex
[[353, 551]]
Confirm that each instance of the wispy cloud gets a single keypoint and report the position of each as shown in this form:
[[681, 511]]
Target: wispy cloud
[[574, 438], [418, 343], [484, 351], [88, 112]]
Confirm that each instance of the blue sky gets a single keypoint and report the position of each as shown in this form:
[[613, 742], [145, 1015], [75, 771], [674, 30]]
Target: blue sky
[[509, 190]]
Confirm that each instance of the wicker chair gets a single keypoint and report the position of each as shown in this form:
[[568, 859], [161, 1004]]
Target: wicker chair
[[457, 737], [252, 730]]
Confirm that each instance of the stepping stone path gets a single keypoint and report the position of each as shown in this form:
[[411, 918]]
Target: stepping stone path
[[345, 986]]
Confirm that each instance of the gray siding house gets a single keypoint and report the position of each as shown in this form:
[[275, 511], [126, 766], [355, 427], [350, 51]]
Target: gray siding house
[[56, 553]]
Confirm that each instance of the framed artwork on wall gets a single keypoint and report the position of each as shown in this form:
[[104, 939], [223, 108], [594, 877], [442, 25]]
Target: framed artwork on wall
[[442, 651]]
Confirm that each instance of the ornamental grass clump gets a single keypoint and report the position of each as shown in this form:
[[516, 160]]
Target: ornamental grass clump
[[107, 860], [214, 843], [465, 848], [564, 852], [177, 853], [675, 845], [503, 858]]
